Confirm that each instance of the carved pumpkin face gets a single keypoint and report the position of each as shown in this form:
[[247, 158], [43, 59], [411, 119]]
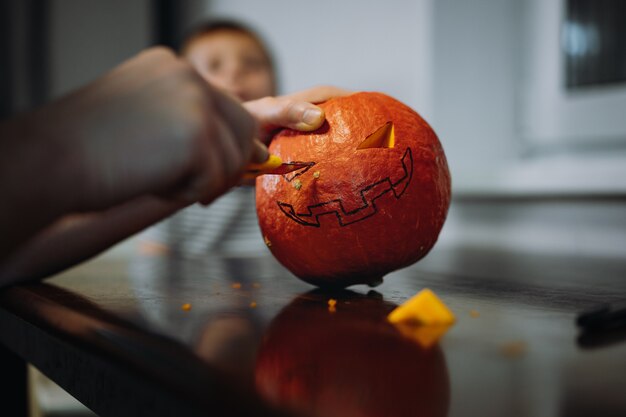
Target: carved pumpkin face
[[372, 199]]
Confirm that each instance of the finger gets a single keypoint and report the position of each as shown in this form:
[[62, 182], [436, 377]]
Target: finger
[[231, 157], [219, 164], [260, 153], [157, 53], [241, 123], [318, 94], [280, 112], [131, 73]]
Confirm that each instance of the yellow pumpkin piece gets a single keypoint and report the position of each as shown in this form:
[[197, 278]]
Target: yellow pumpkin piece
[[332, 305], [424, 308], [425, 336], [186, 307]]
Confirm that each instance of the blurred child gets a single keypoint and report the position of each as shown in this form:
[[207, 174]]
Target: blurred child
[[231, 57]]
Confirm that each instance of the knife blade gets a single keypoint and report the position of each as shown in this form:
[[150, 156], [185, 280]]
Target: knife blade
[[274, 166]]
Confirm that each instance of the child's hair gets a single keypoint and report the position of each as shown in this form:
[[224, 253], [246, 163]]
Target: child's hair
[[218, 25]]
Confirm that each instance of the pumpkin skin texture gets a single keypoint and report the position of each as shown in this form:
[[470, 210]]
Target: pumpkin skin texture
[[368, 204]]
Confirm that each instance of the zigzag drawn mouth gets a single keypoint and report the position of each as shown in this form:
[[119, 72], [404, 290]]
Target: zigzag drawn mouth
[[369, 195]]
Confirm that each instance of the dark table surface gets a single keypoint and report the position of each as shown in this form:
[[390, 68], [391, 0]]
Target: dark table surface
[[258, 341]]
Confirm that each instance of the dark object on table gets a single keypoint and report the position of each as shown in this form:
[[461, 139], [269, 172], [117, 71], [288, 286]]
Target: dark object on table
[[602, 325]]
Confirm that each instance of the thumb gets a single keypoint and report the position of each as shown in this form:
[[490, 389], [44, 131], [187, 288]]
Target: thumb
[[273, 112]]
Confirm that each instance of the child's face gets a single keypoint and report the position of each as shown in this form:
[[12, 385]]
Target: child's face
[[232, 61]]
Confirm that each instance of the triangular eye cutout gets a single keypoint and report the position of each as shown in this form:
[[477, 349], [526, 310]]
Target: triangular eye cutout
[[383, 137]]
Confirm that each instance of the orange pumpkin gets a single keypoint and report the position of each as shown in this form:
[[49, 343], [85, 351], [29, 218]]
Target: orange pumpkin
[[373, 198]]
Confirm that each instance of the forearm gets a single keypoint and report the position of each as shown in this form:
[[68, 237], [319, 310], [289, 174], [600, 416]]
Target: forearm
[[31, 171], [76, 238]]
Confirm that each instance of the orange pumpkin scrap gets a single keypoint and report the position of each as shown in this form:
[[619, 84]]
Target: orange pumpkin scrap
[[423, 318], [424, 308], [372, 199]]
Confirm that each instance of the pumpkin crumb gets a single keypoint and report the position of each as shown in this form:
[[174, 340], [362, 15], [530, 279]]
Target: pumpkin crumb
[[316, 174], [236, 285], [513, 349], [268, 243], [149, 247], [253, 304], [474, 314], [186, 307], [332, 305], [297, 184]]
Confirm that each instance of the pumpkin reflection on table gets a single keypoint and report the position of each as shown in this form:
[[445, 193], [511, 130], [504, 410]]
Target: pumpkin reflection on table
[[307, 359], [350, 362]]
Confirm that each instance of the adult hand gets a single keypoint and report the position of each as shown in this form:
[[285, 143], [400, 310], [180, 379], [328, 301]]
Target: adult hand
[[150, 126], [296, 111]]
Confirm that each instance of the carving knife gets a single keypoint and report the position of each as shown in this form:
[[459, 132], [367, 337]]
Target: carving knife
[[274, 166]]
